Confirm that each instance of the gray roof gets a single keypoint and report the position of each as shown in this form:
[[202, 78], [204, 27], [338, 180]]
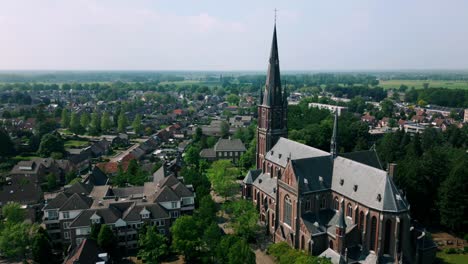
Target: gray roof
[[166, 194], [208, 153], [265, 183], [368, 157], [229, 145], [284, 147], [80, 188], [251, 176], [128, 191], [76, 202], [109, 215], [326, 220], [156, 212], [314, 174], [181, 190], [57, 202], [371, 183]]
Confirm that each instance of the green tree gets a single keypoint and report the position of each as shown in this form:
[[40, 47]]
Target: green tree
[[206, 211], [95, 125], [107, 240], [15, 239], [106, 123], [65, 120], [51, 181], [224, 129], [186, 237], [387, 107], [41, 249], [50, 143], [95, 229], [244, 218], [222, 176], [241, 253], [84, 120], [7, 148], [233, 99], [75, 125], [122, 122], [152, 245], [211, 238], [137, 125], [13, 213], [453, 202], [192, 156], [198, 134]]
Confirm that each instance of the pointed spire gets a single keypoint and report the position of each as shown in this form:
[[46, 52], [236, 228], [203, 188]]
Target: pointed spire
[[273, 94], [334, 139]]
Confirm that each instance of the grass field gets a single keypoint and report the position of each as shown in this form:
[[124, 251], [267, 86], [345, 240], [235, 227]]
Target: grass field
[[191, 82], [418, 84], [453, 258], [75, 143]]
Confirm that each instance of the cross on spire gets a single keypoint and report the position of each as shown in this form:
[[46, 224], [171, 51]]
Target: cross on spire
[[276, 10]]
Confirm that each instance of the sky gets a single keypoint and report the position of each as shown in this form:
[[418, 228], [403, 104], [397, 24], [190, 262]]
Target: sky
[[313, 35]]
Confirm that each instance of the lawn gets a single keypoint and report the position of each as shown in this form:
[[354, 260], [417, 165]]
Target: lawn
[[418, 84], [76, 143], [453, 258]]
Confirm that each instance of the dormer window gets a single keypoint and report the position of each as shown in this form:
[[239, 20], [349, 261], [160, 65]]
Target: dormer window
[[341, 182], [379, 197], [144, 216], [96, 221], [355, 187]]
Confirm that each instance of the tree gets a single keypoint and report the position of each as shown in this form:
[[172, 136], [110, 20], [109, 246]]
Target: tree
[[65, 120], [233, 99], [13, 212], [152, 245], [75, 125], [122, 122], [206, 211], [224, 129], [84, 120], [211, 238], [95, 125], [50, 143], [15, 239], [241, 253], [453, 201], [95, 229], [192, 156], [222, 176], [186, 236], [41, 248], [106, 123], [387, 107], [244, 218], [198, 134], [136, 125], [107, 240], [7, 148], [51, 181]]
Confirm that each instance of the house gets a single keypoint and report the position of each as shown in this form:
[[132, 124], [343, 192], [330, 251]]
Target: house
[[331, 108], [225, 149], [240, 121]]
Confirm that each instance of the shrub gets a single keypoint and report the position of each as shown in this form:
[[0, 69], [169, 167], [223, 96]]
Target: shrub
[[450, 251]]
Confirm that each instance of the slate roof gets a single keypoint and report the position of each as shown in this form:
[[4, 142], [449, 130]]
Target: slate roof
[[368, 157], [86, 253], [326, 220], [76, 202], [166, 194], [265, 183], [314, 174], [229, 145], [128, 191], [97, 177], [371, 183], [251, 176], [208, 153], [284, 147], [80, 188], [168, 181], [156, 212], [109, 215], [181, 190], [57, 202], [22, 190]]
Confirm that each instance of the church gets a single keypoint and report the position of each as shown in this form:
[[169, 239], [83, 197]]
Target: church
[[343, 206]]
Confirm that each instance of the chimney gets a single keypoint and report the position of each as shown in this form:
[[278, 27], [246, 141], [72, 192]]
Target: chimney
[[391, 169]]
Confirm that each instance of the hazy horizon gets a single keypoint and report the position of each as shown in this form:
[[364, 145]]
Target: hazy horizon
[[313, 36]]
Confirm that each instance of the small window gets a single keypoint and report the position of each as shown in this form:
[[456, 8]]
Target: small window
[[355, 187], [174, 214], [66, 215], [323, 203], [174, 204], [379, 197], [96, 221], [341, 182], [349, 212], [66, 225], [66, 235], [336, 204], [144, 216]]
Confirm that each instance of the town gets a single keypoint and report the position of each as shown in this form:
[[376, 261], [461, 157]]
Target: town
[[234, 166]]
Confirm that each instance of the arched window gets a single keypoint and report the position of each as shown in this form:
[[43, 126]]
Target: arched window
[[287, 210], [361, 221], [388, 234], [331, 244], [349, 212], [373, 232], [323, 202], [336, 204]]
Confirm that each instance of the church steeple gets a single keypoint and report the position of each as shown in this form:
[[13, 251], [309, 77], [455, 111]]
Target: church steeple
[[334, 139], [273, 95], [273, 107]]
